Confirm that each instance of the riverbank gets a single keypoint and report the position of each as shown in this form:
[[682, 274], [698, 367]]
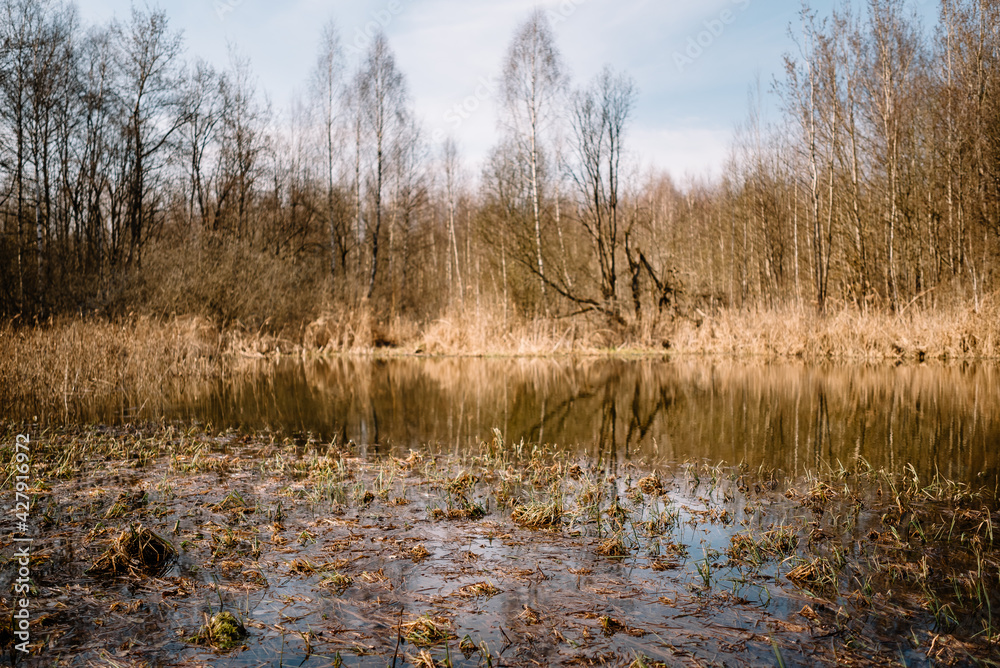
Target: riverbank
[[82, 357]]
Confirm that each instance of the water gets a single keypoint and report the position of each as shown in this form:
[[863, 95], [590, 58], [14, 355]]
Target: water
[[610, 413], [792, 417]]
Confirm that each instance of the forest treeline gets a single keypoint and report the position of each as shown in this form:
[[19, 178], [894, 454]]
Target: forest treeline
[[135, 180]]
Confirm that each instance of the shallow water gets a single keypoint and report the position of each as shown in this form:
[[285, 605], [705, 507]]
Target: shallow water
[[261, 523], [792, 417]]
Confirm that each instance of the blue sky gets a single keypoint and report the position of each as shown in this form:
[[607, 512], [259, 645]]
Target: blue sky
[[694, 61]]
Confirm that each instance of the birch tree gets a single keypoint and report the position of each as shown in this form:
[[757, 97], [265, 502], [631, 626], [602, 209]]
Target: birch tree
[[532, 82], [327, 85], [382, 101]]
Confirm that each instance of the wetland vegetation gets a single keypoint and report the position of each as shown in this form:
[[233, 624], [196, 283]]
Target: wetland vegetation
[[172, 545]]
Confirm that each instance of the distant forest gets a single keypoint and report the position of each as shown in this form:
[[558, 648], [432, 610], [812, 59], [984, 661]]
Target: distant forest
[[135, 181]]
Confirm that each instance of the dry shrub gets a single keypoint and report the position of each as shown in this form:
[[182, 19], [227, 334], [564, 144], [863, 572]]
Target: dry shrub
[[232, 283]]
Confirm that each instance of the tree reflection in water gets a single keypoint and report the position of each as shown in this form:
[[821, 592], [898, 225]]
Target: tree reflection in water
[[793, 417]]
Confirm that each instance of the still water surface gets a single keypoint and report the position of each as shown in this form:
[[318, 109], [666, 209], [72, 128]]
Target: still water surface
[[792, 417]]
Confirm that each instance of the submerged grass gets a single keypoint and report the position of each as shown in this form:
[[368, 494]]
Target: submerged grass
[[878, 564]]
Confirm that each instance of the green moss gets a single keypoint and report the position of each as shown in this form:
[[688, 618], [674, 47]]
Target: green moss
[[223, 632]]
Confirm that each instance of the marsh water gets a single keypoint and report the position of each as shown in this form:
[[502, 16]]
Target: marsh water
[[792, 417], [262, 518]]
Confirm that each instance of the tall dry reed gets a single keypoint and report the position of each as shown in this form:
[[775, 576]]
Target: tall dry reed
[[848, 334]]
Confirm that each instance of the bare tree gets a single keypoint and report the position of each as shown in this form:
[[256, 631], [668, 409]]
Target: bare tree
[[327, 85], [805, 94], [532, 81], [20, 35], [148, 57], [600, 114], [382, 101], [451, 175], [203, 107], [242, 142]]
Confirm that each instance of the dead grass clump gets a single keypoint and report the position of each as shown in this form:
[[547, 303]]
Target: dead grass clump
[[374, 577], [479, 590], [137, 551], [427, 631], [468, 511], [610, 626], [126, 503], [815, 574], [462, 483], [780, 542], [234, 501], [336, 581], [758, 548], [418, 554], [303, 567], [613, 546], [651, 485], [530, 615], [661, 564], [538, 515], [424, 660]]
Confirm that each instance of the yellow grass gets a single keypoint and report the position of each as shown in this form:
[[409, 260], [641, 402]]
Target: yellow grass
[[951, 333], [74, 357]]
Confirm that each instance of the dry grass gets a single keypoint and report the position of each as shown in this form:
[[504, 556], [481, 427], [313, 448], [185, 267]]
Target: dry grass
[[141, 356], [137, 551], [538, 514], [427, 631], [479, 590], [947, 333], [76, 355], [64, 360]]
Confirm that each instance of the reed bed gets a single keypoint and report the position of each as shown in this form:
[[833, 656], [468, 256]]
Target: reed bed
[[915, 334]]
